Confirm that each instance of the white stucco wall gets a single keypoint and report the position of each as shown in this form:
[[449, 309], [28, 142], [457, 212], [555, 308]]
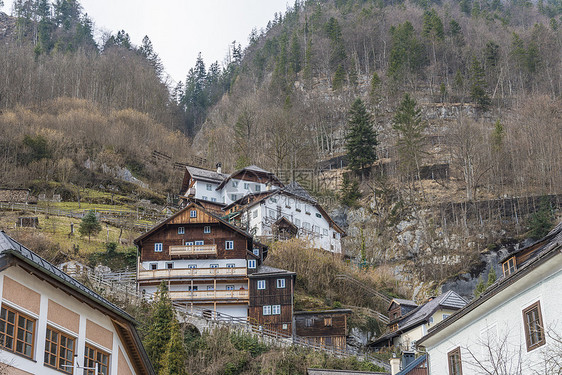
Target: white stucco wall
[[501, 318], [47, 292]]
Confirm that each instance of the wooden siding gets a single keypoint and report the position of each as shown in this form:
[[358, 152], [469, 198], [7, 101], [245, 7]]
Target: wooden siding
[[168, 236], [339, 342], [317, 327], [271, 296]]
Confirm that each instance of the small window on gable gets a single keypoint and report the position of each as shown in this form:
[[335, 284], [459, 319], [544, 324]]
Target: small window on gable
[[158, 247], [430, 320], [234, 183], [256, 252], [327, 322], [280, 283], [209, 187], [455, 364], [193, 213], [261, 284], [534, 328], [509, 266], [252, 263], [229, 245], [246, 186], [445, 316], [181, 230], [206, 229]]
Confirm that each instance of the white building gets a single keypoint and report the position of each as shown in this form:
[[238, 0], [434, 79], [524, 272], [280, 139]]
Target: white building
[[257, 200], [288, 212], [514, 327], [52, 324]]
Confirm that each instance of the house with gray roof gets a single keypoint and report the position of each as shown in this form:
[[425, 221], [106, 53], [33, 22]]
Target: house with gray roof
[[405, 330], [50, 323]]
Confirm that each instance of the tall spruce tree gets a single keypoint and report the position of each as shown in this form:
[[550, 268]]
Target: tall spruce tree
[[173, 360], [361, 139]]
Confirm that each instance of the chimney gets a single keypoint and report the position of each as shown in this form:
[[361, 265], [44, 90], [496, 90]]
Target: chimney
[[219, 167], [394, 365]]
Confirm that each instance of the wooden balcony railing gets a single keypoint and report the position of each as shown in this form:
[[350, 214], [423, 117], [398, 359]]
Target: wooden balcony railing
[[210, 295], [193, 250], [191, 272]]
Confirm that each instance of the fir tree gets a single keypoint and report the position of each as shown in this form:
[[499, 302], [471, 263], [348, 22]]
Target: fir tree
[[542, 220], [350, 191], [173, 360], [339, 78], [89, 225], [361, 139], [478, 85]]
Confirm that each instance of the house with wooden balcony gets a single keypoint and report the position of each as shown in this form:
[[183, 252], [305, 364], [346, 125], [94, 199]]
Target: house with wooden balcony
[[205, 261]]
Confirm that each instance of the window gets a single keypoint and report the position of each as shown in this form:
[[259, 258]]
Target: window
[[256, 252], [267, 310], [16, 332], [234, 183], [229, 245], [445, 316], [251, 263], [246, 186], [230, 287], [327, 322], [192, 266], [276, 310], [325, 232], [188, 243], [193, 213], [258, 188], [214, 266], [233, 197], [213, 199], [170, 265], [204, 198], [154, 266], [509, 266], [181, 230], [261, 284], [534, 329], [298, 222], [285, 326], [195, 288], [430, 320], [209, 187], [199, 243], [158, 247], [210, 287], [280, 283], [206, 229], [230, 265], [255, 213], [454, 359], [306, 225], [96, 358], [309, 322], [318, 215], [59, 351]]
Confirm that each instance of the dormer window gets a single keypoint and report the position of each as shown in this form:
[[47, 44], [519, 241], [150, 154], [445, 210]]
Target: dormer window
[[509, 266]]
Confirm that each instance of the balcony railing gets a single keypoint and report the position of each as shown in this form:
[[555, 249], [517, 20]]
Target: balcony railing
[[193, 250], [210, 295], [191, 272]]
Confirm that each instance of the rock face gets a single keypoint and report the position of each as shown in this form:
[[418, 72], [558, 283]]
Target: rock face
[[121, 173]]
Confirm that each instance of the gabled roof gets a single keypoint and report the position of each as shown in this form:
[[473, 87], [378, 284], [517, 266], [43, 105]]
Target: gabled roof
[[283, 219], [46, 270], [206, 174], [189, 206], [267, 270], [418, 361], [297, 190], [402, 302], [252, 169], [544, 254]]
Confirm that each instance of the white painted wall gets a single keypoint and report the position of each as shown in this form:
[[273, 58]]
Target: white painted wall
[[201, 263], [202, 192], [405, 340], [86, 313], [501, 317]]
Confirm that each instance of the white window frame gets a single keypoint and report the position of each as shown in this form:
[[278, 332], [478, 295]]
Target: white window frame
[[158, 247], [230, 265], [213, 199], [181, 230], [199, 243], [280, 283], [214, 265], [276, 310], [230, 287], [188, 243], [266, 310], [251, 263], [207, 229], [192, 266], [261, 285], [193, 214], [229, 245], [257, 188], [205, 198], [209, 187], [233, 197], [246, 186], [256, 252]]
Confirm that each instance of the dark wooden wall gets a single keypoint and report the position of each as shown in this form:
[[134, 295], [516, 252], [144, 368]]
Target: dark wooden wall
[[338, 328], [272, 295]]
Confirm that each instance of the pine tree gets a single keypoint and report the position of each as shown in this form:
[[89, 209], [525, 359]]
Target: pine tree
[[478, 85], [542, 220], [339, 78], [361, 139], [173, 360], [89, 225]]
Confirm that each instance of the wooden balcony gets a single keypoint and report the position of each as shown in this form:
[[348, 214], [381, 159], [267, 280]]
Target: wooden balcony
[[178, 251], [187, 273], [201, 295]]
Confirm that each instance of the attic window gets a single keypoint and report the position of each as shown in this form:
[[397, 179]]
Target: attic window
[[509, 266], [193, 213]]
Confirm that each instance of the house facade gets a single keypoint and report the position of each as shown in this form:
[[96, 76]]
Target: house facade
[[52, 324], [204, 260], [515, 323], [409, 322], [326, 328]]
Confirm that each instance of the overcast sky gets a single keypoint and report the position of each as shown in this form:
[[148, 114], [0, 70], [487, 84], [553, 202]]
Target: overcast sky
[[180, 29]]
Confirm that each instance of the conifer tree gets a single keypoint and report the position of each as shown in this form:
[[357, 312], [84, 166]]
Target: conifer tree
[[478, 85], [361, 139], [542, 220], [89, 225], [158, 328], [350, 191], [173, 360]]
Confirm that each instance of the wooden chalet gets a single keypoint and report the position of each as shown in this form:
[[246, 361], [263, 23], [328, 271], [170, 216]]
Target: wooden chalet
[[327, 328], [205, 261], [271, 299]]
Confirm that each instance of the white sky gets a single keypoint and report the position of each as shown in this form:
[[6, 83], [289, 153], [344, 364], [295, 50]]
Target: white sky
[[180, 29]]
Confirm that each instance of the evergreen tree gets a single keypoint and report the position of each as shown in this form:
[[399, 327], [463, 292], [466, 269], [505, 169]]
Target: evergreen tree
[[339, 78], [158, 329], [350, 191], [497, 136], [173, 360], [407, 54], [89, 225], [542, 221], [295, 58], [410, 127], [478, 85], [361, 139]]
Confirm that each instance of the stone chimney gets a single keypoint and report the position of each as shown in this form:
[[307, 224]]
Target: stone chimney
[[219, 167]]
